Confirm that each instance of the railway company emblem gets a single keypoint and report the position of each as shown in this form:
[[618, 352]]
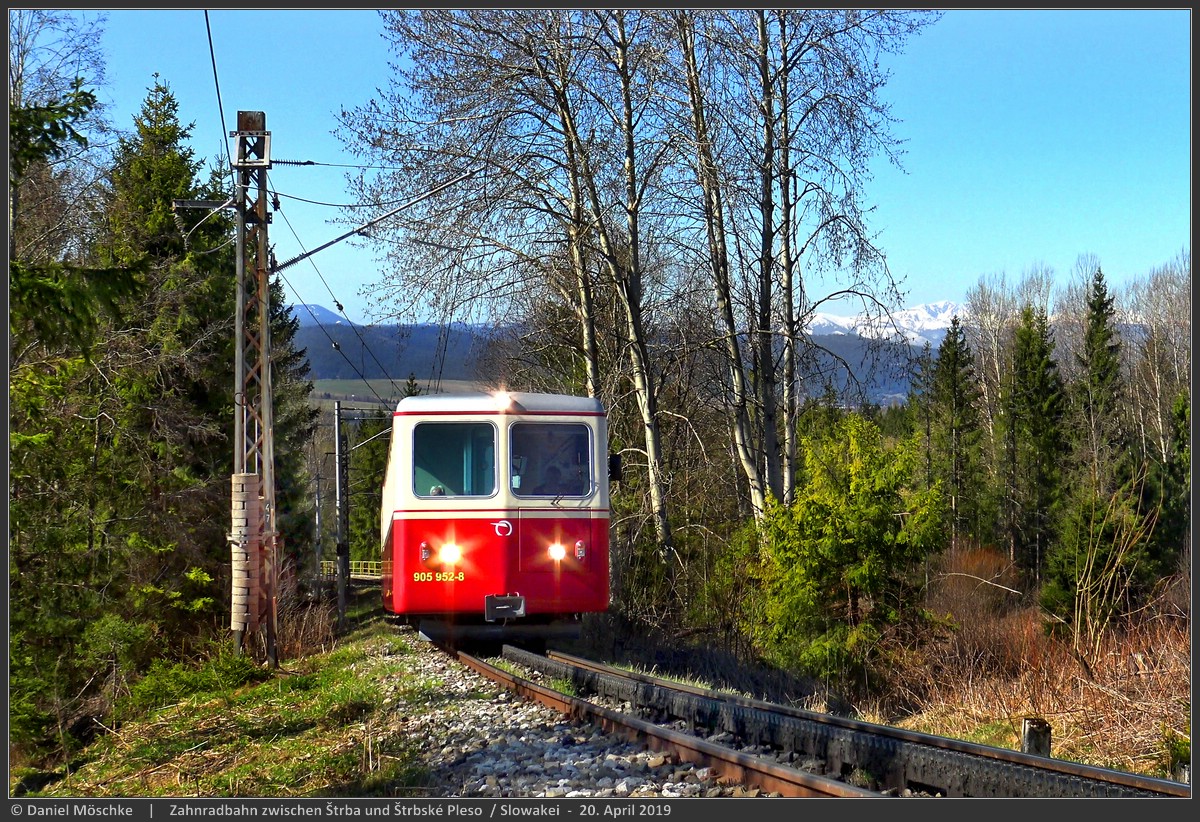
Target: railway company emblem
[[503, 528]]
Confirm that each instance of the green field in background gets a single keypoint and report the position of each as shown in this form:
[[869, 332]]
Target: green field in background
[[367, 393]]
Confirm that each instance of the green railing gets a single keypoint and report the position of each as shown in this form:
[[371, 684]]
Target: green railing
[[358, 568]]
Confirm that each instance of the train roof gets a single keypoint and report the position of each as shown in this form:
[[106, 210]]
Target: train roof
[[511, 402]]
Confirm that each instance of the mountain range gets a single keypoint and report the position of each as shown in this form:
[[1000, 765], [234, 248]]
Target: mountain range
[[920, 324], [338, 349]]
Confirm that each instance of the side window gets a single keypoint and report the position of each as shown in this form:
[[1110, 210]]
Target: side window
[[550, 459], [454, 459]]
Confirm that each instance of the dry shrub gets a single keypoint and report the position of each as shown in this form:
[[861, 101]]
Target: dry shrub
[[991, 631], [1013, 643], [971, 581], [305, 619], [1173, 596], [999, 665], [1137, 696], [305, 625]]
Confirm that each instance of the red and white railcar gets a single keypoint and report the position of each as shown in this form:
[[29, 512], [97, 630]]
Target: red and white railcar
[[495, 514]]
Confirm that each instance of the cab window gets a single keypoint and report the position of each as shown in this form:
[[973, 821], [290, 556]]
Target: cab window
[[454, 459], [550, 460]]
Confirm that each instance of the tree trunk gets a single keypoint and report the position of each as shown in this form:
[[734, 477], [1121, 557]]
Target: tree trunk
[[766, 381], [790, 330], [709, 179]]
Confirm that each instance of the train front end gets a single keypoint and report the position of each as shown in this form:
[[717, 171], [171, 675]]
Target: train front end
[[495, 518]]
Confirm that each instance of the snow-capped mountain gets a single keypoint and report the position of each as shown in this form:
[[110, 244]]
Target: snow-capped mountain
[[927, 322], [822, 323], [311, 314], [920, 324]]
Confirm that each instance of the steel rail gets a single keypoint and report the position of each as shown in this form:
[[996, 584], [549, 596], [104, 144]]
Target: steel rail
[[729, 765], [1123, 779]]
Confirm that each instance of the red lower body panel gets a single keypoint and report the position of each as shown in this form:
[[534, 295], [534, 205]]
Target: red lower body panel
[[508, 554]]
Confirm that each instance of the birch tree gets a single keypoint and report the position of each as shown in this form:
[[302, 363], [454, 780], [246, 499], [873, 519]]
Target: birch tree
[[782, 110], [1156, 309], [552, 107], [51, 199]]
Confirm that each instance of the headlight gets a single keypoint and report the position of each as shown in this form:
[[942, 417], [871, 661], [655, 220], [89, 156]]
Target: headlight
[[557, 551], [450, 553]]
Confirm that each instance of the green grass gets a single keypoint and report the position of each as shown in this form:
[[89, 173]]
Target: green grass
[[317, 726], [998, 734], [563, 686]]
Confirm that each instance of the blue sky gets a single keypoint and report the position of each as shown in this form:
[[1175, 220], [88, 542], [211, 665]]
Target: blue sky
[[1032, 136]]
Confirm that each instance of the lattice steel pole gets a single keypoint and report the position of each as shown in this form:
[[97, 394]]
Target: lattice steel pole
[[254, 448]]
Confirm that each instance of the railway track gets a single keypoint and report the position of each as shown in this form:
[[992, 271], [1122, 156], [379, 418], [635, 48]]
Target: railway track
[[731, 765], [791, 752], [895, 760]]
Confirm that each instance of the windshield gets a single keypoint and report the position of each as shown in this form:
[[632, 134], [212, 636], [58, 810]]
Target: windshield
[[550, 459]]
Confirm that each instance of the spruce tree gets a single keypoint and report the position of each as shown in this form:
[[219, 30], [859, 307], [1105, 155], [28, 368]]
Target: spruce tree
[[1100, 393], [121, 459], [955, 431], [920, 405], [840, 565], [56, 310], [1172, 536], [1033, 406], [1103, 563], [113, 529]]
